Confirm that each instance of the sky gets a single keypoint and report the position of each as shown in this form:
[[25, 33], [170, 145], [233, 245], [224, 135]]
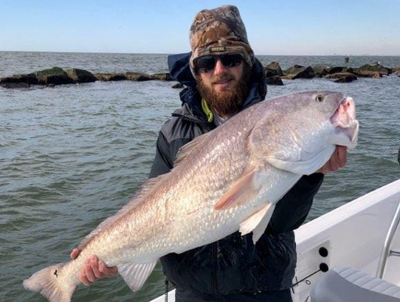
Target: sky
[[274, 27]]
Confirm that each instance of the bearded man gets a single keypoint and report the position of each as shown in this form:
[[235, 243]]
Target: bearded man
[[227, 78], [223, 77]]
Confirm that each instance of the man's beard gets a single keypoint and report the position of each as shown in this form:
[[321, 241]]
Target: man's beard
[[229, 101]]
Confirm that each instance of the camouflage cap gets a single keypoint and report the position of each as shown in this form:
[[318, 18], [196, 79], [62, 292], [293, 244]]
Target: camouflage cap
[[219, 31]]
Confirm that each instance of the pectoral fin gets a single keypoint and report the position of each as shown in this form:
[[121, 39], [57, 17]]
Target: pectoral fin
[[258, 222], [136, 274], [244, 190]]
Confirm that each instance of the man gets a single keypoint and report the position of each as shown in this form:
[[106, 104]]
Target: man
[[223, 77]]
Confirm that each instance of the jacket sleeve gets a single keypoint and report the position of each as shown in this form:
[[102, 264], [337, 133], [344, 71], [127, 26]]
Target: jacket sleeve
[[292, 210], [165, 154], [162, 161]]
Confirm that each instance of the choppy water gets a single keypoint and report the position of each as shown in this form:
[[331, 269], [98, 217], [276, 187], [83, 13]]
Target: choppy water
[[72, 155]]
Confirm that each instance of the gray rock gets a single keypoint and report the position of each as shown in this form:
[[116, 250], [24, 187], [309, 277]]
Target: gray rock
[[343, 80], [273, 69], [15, 85], [367, 73], [21, 78], [338, 69], [375, 70], [110, 77], [299, 72], [161, 77], [178, 86], [274, 80], [396, 70], [342, 77], [321, 70], [81, 76], [137, 76], [55, 75]]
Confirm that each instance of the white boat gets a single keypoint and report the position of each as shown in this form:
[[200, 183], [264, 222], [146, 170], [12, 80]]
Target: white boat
[[360, 235]]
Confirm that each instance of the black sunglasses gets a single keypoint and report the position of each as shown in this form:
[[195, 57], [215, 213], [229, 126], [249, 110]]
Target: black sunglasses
[[207, 63]]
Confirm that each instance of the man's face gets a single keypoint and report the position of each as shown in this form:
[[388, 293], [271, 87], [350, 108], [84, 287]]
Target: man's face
[[222, 78], [223, 87]]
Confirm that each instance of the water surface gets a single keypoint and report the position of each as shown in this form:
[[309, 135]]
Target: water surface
[[73, 155]]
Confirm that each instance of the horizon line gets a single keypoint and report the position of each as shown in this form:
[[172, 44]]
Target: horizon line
[[172, 53]]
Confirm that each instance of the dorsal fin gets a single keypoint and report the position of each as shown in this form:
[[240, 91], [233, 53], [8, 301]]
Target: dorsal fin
[[140, 196], [190, 147]]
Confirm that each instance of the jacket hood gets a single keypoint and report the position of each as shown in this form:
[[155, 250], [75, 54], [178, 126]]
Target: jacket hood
[[179, 70]]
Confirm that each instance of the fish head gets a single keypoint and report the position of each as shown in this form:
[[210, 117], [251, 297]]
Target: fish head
[[324, 118], [302, 129]]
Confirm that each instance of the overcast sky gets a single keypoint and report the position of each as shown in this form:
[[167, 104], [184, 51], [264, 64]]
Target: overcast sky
[[281, 27]]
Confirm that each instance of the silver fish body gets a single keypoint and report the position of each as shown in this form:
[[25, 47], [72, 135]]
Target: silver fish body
[[224, 181]]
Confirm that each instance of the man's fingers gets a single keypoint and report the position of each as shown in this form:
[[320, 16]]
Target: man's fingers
[[83, 277], [75, 253], [342, 155], [334, 161], [337, 160], [333, 166], [94, 269], [107, 271], [324, 169], [89, 271], [95, 265]]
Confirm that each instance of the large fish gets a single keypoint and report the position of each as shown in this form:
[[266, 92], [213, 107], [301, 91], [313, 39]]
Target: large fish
[[224, 181]]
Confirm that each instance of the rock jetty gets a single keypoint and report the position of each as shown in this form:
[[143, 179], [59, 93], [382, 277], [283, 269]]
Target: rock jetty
[[338, 74], [273, 71], [59, 76]]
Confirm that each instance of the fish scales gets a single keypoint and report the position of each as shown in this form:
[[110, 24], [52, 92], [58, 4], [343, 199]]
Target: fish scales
[[169, 212]]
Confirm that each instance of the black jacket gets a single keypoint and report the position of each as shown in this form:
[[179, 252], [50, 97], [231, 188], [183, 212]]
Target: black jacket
[[233, 264]]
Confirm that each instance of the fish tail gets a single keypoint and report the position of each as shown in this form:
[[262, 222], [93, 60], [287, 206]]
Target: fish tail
[[51, 283]]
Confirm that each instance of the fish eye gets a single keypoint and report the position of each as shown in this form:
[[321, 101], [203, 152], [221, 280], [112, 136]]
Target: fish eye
[[319, 98]]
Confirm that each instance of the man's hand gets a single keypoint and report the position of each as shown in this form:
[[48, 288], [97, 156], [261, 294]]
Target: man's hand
[[94, 269], [337, 160]]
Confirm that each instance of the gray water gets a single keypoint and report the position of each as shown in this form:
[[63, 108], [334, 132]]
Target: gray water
[[72, 155]]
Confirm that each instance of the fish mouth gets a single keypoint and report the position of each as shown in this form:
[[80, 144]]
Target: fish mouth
[[345, 124]]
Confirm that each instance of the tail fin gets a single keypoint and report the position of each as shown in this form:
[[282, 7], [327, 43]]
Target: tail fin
[[51, 284]]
